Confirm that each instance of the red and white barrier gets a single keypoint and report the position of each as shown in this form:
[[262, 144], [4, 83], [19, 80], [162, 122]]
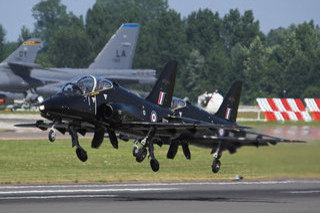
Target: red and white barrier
[[283, 109], [313, 105]]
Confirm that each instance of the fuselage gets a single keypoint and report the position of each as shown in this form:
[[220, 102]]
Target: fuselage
[[9, 82], [111, 106]]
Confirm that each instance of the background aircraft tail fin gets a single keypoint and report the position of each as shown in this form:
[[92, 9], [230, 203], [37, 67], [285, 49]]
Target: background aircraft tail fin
[[26, 53], [229, 107], [162, 91], [118, 53]]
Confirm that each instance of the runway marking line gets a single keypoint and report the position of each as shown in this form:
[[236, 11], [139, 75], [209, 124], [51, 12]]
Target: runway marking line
[[63, 191], [156, 184], [58, 197], [305, 192]]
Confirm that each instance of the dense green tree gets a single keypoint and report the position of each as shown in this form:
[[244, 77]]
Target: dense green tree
[[277, 36], [25, 34], [203, 30], [69, 47], [107, 15], [217, 69], [212, 51], [239, 28], [311, 92], [255, 67], [50, 16], [191, 85]]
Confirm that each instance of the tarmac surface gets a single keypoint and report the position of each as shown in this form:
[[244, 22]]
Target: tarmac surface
[[265, 196]]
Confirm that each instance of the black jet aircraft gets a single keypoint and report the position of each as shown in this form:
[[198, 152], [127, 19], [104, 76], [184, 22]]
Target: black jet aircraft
[[90, 104]]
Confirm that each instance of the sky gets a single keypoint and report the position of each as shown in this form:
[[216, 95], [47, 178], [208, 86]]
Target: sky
[[270, 13]]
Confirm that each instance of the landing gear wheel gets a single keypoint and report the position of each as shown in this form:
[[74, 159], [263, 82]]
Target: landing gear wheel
[[154, 165], [216, 166], [135, 151], [82, 154], [52, 135], [141, 155]]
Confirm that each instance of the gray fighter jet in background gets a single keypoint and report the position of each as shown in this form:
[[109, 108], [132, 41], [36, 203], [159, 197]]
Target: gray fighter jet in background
[[21, 77]]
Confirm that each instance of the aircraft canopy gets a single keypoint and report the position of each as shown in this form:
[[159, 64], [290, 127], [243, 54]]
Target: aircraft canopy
[[84, 85]]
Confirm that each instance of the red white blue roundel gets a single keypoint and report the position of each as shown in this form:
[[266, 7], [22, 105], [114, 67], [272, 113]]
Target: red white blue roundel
[[154, 117], [221, 132]]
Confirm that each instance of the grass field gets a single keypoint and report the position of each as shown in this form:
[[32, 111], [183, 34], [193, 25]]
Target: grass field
[[39, 161]]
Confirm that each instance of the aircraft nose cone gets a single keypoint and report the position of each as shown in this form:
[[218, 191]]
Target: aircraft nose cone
[[48, 105], [55, 104], [58, 106]]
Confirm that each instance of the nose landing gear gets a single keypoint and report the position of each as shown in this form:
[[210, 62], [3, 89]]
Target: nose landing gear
[[52, 135]]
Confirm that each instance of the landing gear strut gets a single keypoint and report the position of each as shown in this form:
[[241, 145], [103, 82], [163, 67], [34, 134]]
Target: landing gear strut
[[141, 153], [153, 162], [216, 164], [81, 153]]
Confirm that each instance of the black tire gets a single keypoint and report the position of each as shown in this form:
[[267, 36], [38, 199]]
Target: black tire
[[135, 151], [82, 154], [154, 165], [141, 155], [52, 135], [173, 149], [216, 166]]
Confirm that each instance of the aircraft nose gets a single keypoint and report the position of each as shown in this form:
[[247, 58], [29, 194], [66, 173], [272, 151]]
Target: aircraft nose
[[59, 105], [50, 105]]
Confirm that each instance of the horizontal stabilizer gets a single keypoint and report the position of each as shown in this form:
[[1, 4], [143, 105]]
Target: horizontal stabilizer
[[24, 65]]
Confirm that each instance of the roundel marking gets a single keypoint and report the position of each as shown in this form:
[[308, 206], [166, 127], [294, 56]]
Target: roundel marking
[[154, 116], [221, 132]]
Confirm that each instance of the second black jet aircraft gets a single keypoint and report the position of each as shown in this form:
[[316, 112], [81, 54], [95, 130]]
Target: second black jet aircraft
[[90, 104]]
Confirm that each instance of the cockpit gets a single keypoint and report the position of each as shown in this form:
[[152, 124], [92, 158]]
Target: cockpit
[[178, 103], [85, 85]]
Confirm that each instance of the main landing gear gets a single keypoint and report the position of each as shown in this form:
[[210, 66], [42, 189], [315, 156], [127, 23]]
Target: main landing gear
[[81, 153], [141, 153], [216, 164]]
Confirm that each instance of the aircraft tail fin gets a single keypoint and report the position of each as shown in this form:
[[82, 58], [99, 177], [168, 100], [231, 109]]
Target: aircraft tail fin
[[118, 53], [26, 53], [162, 91], [229, 107]]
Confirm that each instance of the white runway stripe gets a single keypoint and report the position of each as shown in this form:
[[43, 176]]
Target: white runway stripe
[[305, 192], [66, 191], [58, 197], [79, 186]]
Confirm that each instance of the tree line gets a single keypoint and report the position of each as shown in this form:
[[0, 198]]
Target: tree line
[[212, 50]]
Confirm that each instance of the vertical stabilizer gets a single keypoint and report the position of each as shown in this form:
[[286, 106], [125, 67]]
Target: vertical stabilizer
[[162, 91], [229, 107], [26, 53], [118, 53]]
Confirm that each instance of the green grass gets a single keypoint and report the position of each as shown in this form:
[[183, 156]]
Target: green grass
[[251, 115], [39, 161]]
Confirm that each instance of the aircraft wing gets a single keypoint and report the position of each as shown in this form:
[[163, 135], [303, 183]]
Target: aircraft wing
[[177, 127], [206, 134], [62, 127], [23, 65]]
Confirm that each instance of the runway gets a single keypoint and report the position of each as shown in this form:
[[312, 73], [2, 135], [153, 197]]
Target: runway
[[261, 196]]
